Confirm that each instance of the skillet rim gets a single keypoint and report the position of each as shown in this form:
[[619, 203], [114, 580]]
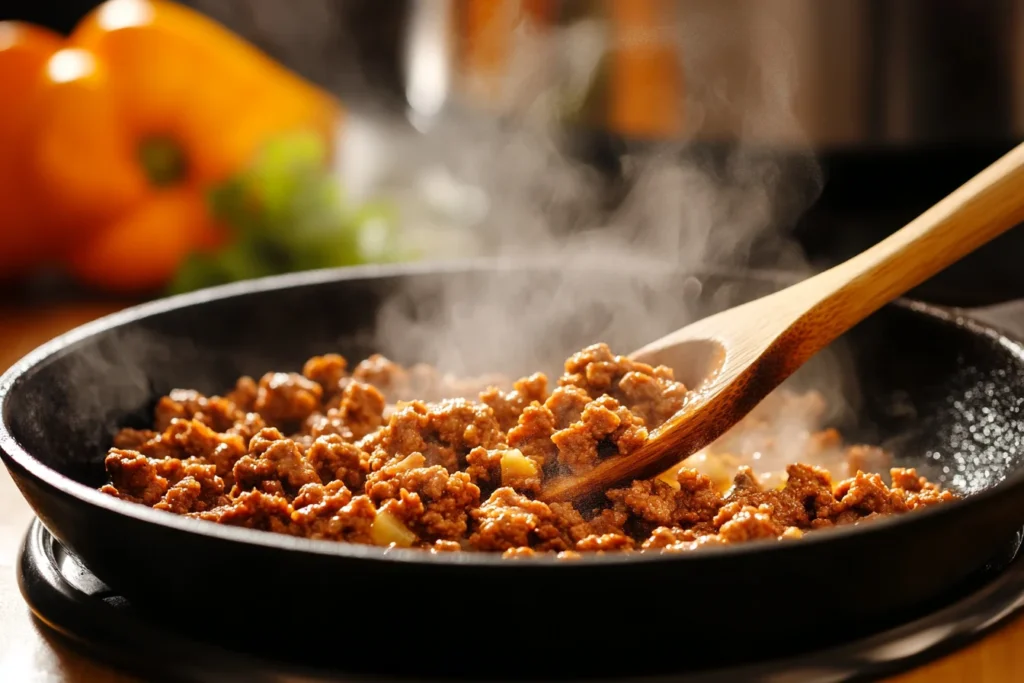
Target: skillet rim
[[15, 456]]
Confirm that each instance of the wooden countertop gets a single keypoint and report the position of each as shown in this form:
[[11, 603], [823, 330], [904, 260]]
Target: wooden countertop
[[28, 655]]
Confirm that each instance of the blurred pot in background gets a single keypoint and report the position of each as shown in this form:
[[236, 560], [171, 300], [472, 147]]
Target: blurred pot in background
[[852, 74], [899, 101]]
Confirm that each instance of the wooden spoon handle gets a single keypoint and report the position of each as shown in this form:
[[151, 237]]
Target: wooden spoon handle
[[981, 209]]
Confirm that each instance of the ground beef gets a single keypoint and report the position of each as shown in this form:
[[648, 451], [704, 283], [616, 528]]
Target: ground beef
[[361, 409], [609, 521], [664, 536], [603, 542], [194, 439], [695, 502], [334, 459], [508, 407], [254, 510], [566, 405], [510, 520], [323, 455], [445, 546], [273, 458], [532, 436], [286, 398], [195, 487], [650, 393], [428, 500], [180, 404], [327, 371], [917, 490], [247, 426], [444, 433], [602, 422], [133, 477], [811, 488], [337, 516], [746, 523], [244, 394], [864, 495], [797, 504], [331, 423], [388, 377], [484, 466]]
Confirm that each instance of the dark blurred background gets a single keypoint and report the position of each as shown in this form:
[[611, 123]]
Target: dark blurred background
[[899, 101]]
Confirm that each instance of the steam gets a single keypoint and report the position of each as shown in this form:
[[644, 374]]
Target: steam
[[513, 189], [688, 205]]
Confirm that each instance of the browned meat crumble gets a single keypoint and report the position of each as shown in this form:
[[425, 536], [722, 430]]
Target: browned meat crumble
[[328, 454]]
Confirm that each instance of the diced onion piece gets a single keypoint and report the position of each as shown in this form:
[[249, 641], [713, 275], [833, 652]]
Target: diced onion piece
[[515, 465], [388, 529], [411, 462]]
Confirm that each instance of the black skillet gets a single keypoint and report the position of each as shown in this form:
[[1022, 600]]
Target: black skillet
[[944, 392]]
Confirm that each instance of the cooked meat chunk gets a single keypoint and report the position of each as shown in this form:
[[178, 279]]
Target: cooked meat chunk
[[532, 436], [428, 500], [287, 398], [602, 421], [362, 409], [650, 393], [566, 405], [195, 487], [603, 542], [510, 520], [133, 478], [194, 439], [337, 516], [864, 495], [484, 466], [508, 407], [328, 371], [276, 459], [444, 433], [180, 404], [334, 459], [244, 394], [388, 377], [695, 502], [254, 510], [664, 536], [747, 523]]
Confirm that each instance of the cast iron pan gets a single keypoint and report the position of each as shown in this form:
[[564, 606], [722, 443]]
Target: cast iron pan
[[944, 392]]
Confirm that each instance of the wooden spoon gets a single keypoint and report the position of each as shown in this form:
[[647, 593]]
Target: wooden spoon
[[740, 355]]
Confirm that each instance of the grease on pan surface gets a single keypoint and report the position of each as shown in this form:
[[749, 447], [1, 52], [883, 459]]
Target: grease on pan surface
[[406, 457]]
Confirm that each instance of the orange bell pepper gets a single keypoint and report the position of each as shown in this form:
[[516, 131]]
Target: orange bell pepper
[[24, 49], [149, 106]]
